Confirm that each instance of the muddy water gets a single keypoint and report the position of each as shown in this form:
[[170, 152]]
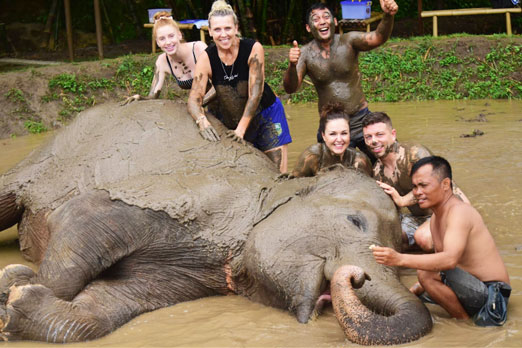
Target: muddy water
[[488, 168]]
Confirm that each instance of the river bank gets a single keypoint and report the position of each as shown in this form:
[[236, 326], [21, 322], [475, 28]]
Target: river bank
[[36, 99]]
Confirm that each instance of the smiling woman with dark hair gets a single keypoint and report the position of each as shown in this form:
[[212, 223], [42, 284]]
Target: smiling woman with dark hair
[[335, 130]]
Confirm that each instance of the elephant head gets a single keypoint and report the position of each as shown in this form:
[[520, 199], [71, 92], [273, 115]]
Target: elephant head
[[318, 238]]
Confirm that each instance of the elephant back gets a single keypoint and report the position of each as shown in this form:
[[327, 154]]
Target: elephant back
[[151, 147]]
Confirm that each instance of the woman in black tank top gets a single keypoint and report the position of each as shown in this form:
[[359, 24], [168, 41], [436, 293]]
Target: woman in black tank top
[[236, 69], [178, 58]]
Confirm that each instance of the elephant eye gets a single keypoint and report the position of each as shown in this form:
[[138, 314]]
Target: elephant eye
[[359, 221]]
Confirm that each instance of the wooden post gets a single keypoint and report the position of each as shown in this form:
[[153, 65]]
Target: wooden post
[[419, 17], [508, 23], [202, 34], [99, 34], [68, 28], [435, 27]]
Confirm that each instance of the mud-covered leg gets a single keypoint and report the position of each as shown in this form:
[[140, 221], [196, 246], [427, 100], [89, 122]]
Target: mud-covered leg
[[89, 233], [9, 276], [10, 212], [34, 313]]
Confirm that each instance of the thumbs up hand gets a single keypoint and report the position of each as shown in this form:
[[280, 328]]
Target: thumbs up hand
[[294, 54]]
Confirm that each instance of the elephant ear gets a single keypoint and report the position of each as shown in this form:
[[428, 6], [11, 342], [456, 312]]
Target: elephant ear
[[271, 198]]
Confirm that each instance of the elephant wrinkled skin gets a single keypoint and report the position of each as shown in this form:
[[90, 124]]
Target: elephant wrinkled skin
[[128, 210]]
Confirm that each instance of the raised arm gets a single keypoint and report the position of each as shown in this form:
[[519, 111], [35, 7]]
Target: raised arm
[[196, 96], [296, 70], [367, 41], [256, 81]]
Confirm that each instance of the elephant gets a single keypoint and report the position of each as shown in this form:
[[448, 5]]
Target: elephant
[[128, 209]]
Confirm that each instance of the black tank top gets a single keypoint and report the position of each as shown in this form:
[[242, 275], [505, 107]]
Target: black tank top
[[183, 84], [231, 83]]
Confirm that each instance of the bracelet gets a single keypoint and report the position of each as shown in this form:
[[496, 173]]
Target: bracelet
[[200, 118]]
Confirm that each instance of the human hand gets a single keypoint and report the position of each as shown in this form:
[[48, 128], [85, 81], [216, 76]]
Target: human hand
[[284, 177], [386, 256], [389, 6], [294, 54], [130, 99], [235, 136], [392, 192], [206, 130]]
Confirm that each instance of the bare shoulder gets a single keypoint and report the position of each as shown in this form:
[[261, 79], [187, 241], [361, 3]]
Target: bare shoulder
[[199, 47], [349, 37], [462, 213]]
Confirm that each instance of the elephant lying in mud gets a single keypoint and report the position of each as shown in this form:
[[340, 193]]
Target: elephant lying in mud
[[128, 210]]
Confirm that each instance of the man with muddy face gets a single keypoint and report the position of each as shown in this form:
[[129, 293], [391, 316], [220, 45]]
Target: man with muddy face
[[331, 62], [392, 172]]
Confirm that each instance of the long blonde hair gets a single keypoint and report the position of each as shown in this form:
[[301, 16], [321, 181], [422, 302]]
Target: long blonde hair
[[221, 8], [162, 19]]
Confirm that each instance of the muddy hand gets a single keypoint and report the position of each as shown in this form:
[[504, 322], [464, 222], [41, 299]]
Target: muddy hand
[[209, 133], [284, 177], [130, 99], [389, 7], [232, 134], [294, 54]]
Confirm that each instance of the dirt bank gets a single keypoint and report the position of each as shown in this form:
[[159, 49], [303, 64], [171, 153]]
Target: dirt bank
[[38, 98]]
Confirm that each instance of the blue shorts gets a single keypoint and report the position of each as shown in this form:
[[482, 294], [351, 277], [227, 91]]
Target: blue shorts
[[486, 302], [269, 128]]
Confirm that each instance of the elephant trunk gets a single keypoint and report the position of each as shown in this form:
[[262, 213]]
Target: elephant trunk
[[407, 320], [10, 212]]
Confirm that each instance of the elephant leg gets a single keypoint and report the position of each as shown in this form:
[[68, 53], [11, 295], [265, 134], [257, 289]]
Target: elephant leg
[[10, 212], [34, 313], [89, 234]]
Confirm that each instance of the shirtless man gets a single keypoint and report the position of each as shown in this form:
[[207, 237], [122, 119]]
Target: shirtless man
[[392, 172], [331, 61], [466, 264]]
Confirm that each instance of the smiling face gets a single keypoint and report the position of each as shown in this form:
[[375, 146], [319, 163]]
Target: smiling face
[[379, 138], [336, 135], [428, 189], [321, 24], [223, 31], [168, 38]]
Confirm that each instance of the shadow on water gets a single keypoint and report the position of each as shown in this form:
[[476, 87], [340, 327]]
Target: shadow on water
[[487, 167]]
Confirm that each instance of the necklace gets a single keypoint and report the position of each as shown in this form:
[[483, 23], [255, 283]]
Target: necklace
[[231, 76]]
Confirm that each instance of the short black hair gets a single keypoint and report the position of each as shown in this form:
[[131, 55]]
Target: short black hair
[[377, 117], [440, 166], [317, 6]]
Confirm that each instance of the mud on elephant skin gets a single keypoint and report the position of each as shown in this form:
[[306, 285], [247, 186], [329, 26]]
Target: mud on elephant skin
[[128, 207]]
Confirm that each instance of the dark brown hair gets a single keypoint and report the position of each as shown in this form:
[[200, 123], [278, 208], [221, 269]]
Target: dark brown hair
[[377, 117], [331, 111]]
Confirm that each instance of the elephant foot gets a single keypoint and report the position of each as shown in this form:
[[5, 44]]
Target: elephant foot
[[13, 275], [21, 310], [33, 312]]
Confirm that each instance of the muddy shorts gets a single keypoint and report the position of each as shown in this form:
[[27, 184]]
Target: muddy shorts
[[269, 129], [410, 223], [486, 302]]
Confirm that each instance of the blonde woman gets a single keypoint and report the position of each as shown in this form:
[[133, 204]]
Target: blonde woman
[[178, 58], [248, 107]]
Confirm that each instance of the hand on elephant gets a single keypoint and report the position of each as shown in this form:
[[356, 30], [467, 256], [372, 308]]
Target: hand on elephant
[[206, 130], [232, 134], [386, 256], [284, 177], [130, 99]]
